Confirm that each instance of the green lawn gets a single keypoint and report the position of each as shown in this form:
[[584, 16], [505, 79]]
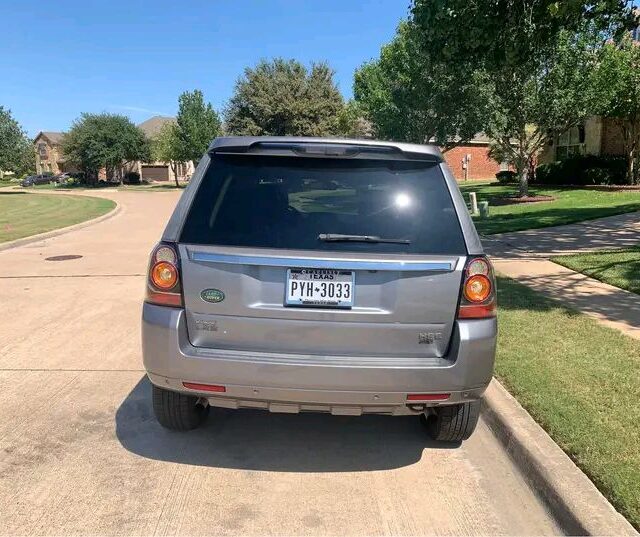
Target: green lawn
[[581, 382], [571, 205], [617, 267], [23, 214]]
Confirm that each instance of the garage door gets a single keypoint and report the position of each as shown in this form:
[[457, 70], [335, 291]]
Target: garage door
[[155, 173]]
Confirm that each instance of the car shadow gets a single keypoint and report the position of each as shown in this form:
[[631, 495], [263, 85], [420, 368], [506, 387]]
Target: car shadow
[[259, 440]]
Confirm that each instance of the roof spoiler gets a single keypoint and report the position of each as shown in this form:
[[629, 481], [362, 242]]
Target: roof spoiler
[[325, 148]]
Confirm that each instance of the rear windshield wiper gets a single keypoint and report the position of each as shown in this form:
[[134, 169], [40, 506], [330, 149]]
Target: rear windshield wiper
[[337, 237]]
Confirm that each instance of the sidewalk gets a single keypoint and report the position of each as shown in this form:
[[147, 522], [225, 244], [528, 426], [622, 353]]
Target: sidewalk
[[524, 256]]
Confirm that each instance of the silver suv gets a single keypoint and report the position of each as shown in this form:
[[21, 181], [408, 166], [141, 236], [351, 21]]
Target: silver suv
[[309, 274]]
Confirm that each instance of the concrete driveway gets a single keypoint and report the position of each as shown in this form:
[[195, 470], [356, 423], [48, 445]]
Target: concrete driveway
[[81, 453]]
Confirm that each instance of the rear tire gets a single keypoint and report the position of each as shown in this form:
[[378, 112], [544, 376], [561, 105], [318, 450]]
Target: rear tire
[[452, 423], [177, 411]]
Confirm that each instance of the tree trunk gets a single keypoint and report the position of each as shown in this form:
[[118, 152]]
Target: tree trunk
[[174, 167], [523, 178], [532, 170], [631, 162], [629, 141]]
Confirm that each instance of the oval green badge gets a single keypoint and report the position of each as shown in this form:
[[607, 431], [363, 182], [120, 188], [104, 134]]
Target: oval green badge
[[212, 295]]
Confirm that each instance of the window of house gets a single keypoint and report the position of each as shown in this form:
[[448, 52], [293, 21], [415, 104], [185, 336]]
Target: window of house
[[571, 143], [42, 150]]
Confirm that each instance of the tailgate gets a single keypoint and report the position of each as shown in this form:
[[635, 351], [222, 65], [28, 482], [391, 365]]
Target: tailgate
[[399, 309]]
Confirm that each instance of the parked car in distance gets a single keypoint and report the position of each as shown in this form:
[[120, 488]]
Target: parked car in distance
[[61, 178], [309, 274], [37, 180]]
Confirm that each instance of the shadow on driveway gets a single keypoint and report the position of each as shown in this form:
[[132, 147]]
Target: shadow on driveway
[[259, 440]]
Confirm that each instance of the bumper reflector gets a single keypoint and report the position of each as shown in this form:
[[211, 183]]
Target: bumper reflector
[[428, 396], [204, 387]]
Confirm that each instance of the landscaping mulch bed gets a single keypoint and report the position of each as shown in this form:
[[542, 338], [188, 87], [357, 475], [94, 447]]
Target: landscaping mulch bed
[[511, 200], [604, 188]]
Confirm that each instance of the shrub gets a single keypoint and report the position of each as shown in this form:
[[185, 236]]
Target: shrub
[[583, 170], [597, 176], [507, 177], [132, 178], [72, 181]]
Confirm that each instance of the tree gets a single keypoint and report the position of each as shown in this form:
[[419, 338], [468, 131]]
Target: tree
[[617, 84], [530, 109], [197, 123], [166, 147], [499, 34], [284, 98], [411, 98], [537, 54], [15, 147], [107, 141], [352, 122], [26, 164]]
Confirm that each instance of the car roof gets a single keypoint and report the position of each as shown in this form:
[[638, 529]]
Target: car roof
[[243, 144]]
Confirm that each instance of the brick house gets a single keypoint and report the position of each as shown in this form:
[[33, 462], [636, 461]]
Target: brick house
[[50, 158], [597, 135], [160, 171], [473, 158]]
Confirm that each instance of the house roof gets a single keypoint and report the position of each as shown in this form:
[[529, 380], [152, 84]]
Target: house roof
[[478, 138], [54, 137], [152, 126]]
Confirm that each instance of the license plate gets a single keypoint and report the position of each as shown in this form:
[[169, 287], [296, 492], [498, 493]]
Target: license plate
[[320, 287]]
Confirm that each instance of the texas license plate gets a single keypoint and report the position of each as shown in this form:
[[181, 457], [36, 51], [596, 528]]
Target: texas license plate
[[320, 287]]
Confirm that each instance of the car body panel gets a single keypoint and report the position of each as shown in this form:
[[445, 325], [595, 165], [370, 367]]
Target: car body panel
[[389, 316]]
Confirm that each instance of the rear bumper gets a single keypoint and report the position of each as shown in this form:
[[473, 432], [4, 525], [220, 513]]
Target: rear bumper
[[298, 382]]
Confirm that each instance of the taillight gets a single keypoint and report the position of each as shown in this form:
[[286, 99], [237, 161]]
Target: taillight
[[163, 277], [478, 300]]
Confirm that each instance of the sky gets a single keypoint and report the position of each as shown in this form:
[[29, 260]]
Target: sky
[[59, 59]]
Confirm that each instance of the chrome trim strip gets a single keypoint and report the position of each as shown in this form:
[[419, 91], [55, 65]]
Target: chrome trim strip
[[340, 264]]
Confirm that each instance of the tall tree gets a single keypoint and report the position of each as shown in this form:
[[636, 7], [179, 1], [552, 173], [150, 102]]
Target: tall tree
[[197, 123], [411, 98], [617, 85], [536, 53], [26, 164], [107, 141], [15, 146], [283, 97], [352, 122], [166, 147]]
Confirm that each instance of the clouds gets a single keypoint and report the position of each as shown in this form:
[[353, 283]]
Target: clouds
[[136, 109]]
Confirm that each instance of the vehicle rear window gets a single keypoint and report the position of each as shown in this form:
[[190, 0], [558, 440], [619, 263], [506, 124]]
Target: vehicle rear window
[[289, 202]]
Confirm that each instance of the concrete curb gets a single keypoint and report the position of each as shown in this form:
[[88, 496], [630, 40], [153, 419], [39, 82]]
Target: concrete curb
[[573, 500], [61, 231]]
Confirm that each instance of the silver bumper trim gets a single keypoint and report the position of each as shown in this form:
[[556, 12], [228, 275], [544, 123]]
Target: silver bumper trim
[[323, 263]]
